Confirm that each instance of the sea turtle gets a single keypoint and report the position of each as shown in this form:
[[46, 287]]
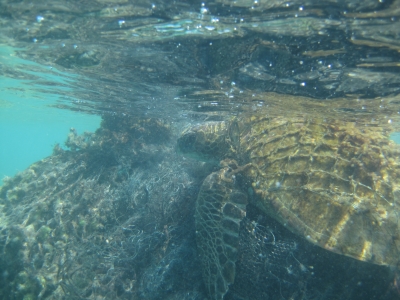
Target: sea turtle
[[334, 183]]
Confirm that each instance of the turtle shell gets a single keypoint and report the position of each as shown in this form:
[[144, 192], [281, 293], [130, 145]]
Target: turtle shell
[[332, 182]]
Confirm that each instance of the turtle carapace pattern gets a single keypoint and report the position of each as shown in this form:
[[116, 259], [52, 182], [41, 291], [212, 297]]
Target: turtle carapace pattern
[[332, 182]]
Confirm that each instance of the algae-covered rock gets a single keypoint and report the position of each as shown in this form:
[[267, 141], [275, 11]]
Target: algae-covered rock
[[91, 221]]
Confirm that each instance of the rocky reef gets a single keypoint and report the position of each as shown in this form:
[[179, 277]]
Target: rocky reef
[[93, 221], [111, 217]]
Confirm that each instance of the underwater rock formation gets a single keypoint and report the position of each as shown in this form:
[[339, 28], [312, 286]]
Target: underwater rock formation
[[81, 222]]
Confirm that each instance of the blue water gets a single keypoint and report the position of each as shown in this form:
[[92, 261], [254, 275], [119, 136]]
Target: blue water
[[29, 127]]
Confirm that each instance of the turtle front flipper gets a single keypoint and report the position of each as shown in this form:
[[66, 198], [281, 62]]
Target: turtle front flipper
[[219, 211]]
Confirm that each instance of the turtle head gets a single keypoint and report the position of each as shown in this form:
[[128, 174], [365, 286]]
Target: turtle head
[[209, 141]]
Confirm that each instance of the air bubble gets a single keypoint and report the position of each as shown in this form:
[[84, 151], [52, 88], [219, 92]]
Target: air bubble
[[203, 10]]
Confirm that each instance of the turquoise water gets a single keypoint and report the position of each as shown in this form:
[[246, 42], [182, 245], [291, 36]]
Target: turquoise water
[[29, 126], [396, 137]]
